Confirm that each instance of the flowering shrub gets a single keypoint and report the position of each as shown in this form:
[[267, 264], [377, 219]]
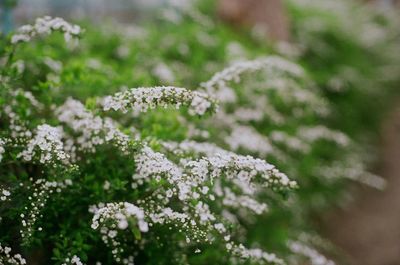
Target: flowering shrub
[[141, 99], [45, 25], [225, 171]]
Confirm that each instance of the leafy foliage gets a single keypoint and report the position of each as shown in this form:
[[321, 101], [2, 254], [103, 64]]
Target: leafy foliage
[[175, 170]]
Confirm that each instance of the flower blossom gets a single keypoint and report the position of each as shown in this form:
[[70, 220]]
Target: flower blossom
[[142, 99], [7, 258], [46, 145], [45, 26]]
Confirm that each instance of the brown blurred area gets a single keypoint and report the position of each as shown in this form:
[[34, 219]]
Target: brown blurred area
[[368, 229], [269, 16]]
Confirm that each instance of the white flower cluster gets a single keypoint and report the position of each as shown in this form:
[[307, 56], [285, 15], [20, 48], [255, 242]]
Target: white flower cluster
[[293, 94], [290, 142], [242, 201], [164, 73], [42, 190], [191, 180], [304, 250], [4, 194], [195, 222], [2, 148], [261, 110], [271, 64], [113, 216], [248, 114], [144, 98], [120, 213], [75, 260], [255, 255], [46, 146], [351, 168], [92, 130], [150, 163], [258, 105], [167, 215], [45, 26], [263, 104], [192, 148], [28, 96], [220, 160], [193, 132], [229, 198], [243, 137], [16, 125], [312, 134], [194, 174], [305, 136], [244, 168], [225, 95], [6, 258], [54, 65]]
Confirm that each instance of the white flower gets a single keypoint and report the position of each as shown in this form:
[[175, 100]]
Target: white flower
[[248, 139], [255, 255], [42, 190], [106, 185], [6, 258], [54, 65], [232, 73], [45, 26], [4, 194], [351, 167], [2, 149], [312, 134], [304, 250], [164, 73], [92, 130], [119, 214], [122, 224], [192, 148], [76, 260], [240, 168], [142, 99], [46, 146]]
